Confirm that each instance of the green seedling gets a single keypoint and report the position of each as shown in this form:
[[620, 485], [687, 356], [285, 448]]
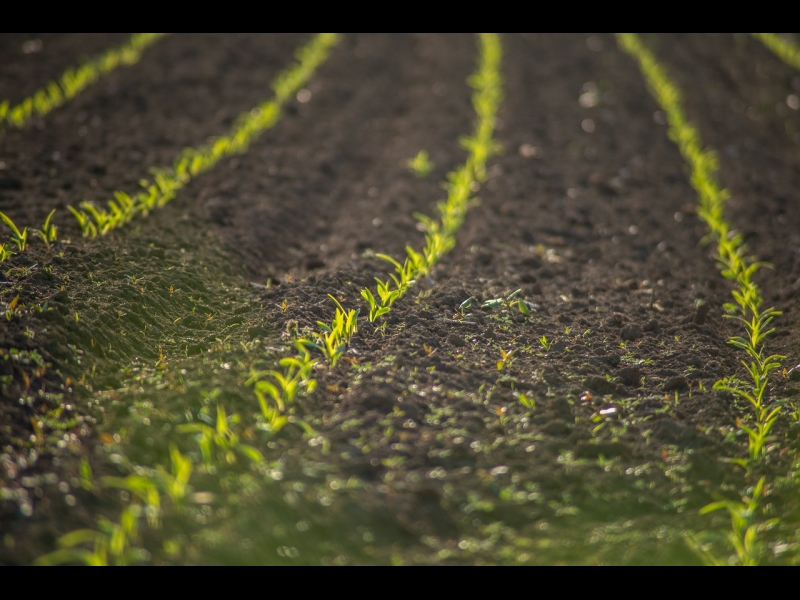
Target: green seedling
[[386, 294], [277, 390], [511, 301], [421, 164], [508, 299], [544, 343], [20, 238], [175, 482], [48, 232], [88, 228], [87, 478], [144, 489], [111, 543], [505, 360], [466, 304], [14, 308], [376, 310], [222, 437], [746, 529], [525, 401], [332, 339], [5, 252]]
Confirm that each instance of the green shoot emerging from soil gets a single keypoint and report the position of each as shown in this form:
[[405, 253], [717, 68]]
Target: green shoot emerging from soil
[[734, 264], [192, 162], [421, 164], [48, 232], [20, 238]]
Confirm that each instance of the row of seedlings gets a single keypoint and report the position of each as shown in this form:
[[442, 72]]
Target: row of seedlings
[[74, 81], [55, 94], [95, 220], [739, 267], [276, 389], [461, 185], [218, 443], [191, 162]]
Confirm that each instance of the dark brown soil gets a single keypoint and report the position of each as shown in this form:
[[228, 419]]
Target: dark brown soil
[[428, 456]]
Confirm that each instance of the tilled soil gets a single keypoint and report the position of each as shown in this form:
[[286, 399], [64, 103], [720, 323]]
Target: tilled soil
[[422, 451]]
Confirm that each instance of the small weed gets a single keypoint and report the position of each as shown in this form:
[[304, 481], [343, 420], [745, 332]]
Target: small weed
[[505, 360], [421, 164]]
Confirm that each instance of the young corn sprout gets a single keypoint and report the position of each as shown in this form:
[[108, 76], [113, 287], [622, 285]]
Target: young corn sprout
[[746, 529], [5, 252], [88, 228], [222, 437], [48, 232], [332, 339], [375, 309], [277, 390], [111, 543], [20, 238]]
